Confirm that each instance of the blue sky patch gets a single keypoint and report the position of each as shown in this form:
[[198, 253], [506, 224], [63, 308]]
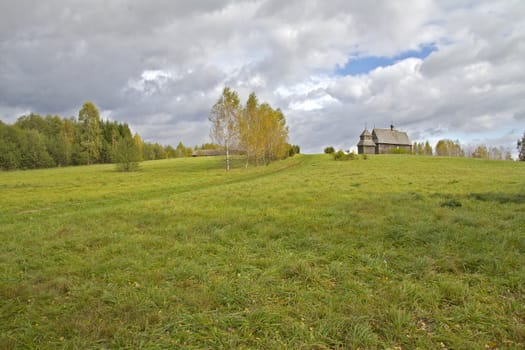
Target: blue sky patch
[[363, 65]]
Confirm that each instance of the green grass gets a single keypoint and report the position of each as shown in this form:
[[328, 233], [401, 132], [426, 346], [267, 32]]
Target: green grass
[[307, 253]]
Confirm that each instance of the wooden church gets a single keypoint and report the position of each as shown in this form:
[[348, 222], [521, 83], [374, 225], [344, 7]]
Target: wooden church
[[383, 141]]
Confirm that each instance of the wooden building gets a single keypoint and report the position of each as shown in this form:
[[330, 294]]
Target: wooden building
[[383, 141]]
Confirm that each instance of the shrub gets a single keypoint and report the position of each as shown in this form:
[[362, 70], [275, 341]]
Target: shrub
[[126, 155], [398, 151], [340, 155]]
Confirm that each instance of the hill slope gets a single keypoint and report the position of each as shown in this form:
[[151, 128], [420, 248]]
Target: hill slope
[[308, 252]]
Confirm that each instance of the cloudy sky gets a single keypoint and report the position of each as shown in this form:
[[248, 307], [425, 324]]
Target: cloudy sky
[[437, 69]]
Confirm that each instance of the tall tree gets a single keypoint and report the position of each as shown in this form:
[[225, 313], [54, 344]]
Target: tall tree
[[249, 128], [182, 151], [140, 145], [67, 135], [521, 148], [91, 134], [427, 149], [224, 117]]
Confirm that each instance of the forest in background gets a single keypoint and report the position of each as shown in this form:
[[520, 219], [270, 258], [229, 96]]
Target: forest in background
[[34, 141]]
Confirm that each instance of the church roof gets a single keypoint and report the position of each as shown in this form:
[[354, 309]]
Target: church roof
[[366, 133], [392, 137]]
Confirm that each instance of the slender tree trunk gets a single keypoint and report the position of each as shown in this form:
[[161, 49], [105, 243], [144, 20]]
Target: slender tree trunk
[[227, 157]]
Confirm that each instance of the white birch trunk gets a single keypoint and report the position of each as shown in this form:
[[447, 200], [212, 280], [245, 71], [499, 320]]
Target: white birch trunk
[[227, 157]]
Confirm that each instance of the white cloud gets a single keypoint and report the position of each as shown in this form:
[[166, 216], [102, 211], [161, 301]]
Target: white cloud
[[160, 66]]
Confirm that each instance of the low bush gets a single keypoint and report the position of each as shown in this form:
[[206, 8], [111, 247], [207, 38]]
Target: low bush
[[398, 151], [342, 155]]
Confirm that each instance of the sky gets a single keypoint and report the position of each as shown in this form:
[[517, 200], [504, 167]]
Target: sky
[[436, 69]]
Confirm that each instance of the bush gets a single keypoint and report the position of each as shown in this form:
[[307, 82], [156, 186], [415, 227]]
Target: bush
[[341, 155], [126, 155], [398, 151]]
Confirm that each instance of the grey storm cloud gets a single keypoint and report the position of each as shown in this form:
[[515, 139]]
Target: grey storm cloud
[[161, 65]]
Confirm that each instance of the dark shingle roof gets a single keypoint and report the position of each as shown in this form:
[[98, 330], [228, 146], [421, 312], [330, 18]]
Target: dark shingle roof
[[391, 137]]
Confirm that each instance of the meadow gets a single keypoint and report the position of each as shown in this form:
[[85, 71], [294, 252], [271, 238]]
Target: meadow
[[392, 252]]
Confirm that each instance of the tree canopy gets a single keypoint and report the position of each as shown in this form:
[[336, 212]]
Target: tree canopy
[[226, 120], [256, 130]]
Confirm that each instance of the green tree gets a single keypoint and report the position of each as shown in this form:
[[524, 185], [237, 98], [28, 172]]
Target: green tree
[[224, 117], [67, 135], [170, 151], [329, 150], [91, 134], [140, 145], [159, 152], [183, 151], [126, 155], [294, 149], [148, 151], [10, 152], [427, 149], [274, 133], [521, 148], [249, 127], [34, 152], [110, 137]]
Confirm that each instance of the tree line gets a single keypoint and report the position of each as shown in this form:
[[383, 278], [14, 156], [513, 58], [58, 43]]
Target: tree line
[[256, 130], [453, 148], [34, 142]]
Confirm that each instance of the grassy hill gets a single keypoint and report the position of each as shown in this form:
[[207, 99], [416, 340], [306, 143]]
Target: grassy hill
[[394, 252]]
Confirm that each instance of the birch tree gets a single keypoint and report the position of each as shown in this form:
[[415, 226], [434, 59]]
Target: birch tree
[[225, 118], [249, 128]]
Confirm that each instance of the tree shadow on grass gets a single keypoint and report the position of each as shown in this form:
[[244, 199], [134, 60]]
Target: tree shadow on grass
[[499, 197]]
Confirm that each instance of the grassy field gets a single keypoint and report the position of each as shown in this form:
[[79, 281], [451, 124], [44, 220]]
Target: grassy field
[[393, 252]]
